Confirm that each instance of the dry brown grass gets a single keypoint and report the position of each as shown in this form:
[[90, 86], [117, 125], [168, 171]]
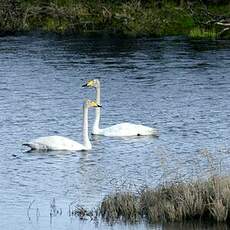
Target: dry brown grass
[[194, 201], [120, 206], [176, 202]]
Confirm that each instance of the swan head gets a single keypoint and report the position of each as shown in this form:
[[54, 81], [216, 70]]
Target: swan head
[[89, 104], [94, 83]]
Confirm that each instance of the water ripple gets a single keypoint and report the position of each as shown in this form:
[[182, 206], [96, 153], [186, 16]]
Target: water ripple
[[180, 87]]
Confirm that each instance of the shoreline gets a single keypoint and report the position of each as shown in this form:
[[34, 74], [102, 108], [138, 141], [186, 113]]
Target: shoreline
[[129, 19], [201, 201]]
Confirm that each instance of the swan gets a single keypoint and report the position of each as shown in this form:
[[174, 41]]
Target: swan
[[63, 143], [119, 130]]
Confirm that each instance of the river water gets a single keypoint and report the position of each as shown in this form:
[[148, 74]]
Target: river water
[[180, 87]]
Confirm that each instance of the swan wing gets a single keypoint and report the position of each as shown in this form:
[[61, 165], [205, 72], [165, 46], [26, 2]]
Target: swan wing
[[128, 129], [55, 143]]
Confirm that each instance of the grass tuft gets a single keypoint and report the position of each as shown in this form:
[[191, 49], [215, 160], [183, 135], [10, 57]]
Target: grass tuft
[[199, 33], [175, 202], [120, 206]]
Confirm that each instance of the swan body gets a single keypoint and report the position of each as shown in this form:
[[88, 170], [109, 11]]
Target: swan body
[[55, 143], [119, 130], [63, 143], [125, 130]]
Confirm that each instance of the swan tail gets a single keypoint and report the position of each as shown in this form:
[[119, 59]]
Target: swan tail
[[28, 145], [37, 146], [32, 146]]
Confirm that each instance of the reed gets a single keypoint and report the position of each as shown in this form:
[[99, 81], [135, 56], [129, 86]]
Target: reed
[[176, 202], [120, 206]]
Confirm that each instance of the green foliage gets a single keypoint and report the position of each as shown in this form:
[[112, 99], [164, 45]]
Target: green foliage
[[53, 25], [220, 9], [198, 33], [10, 16], [127, 18]]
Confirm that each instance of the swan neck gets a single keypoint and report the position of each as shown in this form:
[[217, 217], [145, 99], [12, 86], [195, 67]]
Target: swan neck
[[97, 110], [86, 141]]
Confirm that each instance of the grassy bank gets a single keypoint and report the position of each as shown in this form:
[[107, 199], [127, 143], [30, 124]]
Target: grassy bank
[[208, 200], [177, 202], [174, 200], [126, 18]]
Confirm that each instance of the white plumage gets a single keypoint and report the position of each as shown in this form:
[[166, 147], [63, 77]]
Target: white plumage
[[63, 143], [126, 129], [54, 143], [119, 130]]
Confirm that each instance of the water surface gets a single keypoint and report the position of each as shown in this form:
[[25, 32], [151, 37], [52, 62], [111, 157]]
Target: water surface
[[178, 86]]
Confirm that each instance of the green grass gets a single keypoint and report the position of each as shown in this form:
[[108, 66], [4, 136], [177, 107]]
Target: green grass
[[199, 33]]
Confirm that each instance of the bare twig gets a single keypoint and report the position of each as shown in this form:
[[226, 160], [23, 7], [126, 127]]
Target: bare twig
[[29, 208]]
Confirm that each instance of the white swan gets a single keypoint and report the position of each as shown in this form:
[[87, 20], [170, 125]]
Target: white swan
[[119, 130], [63, 143]]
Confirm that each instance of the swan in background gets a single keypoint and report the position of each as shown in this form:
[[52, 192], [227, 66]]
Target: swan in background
[[63, 143], [119, 130]]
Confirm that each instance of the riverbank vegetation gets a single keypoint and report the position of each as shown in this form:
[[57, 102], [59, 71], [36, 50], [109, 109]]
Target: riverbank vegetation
[[197, 19], [201, 201]]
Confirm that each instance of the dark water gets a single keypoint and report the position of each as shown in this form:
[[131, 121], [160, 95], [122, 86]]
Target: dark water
[[178, 86]]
